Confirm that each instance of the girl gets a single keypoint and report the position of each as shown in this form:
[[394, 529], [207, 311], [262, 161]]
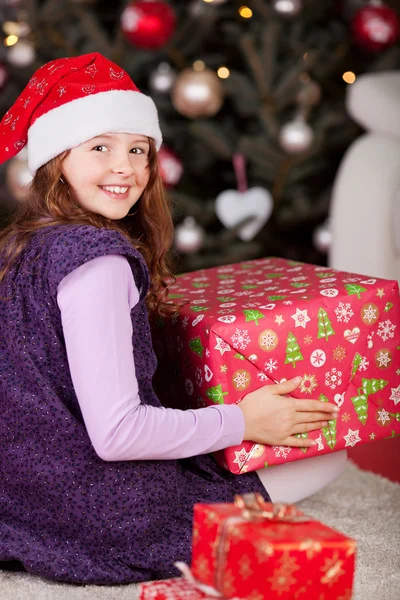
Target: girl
[[97, 480]]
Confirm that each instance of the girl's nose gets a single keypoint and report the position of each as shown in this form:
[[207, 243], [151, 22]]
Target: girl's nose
[[123, 166]]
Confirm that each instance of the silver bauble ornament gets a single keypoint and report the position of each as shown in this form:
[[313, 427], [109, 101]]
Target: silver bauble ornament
[[296, 136], [287, 8], [22, 54], [162, 79], [197, 94], [189, 236], [322, 238]]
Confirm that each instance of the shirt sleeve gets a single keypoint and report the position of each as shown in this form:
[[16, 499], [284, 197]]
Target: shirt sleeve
[[95, 301]]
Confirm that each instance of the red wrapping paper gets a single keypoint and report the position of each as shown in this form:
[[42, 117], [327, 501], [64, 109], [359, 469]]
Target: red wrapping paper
[[270, 558], [260, 322]]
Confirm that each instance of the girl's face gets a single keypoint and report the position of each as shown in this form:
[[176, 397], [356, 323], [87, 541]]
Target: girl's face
[[108, 173]]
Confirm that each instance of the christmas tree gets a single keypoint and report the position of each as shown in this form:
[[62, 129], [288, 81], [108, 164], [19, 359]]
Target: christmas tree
[[251, 103]]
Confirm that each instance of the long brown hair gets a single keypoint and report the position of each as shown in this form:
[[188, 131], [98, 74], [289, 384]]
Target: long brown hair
[[150, 230]]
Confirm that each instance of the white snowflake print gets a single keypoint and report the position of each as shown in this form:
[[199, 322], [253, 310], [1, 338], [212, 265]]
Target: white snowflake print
[[364, 364], [179, 344], [189, 387], [281, 450], [185, 322], [386, 330], [288, 302], [241, 380], [251, 305], [268, 340], [198, 376], [383, 416], [222, 346], [271, 365], [208, 353], [302, 278], [199, 301], [370, 314], [262, 376], [225, 311], [241, 338], [318, 358], [395, 395], [343, 312], [333, 378], [352, 437], [384, 359], [225, 269]]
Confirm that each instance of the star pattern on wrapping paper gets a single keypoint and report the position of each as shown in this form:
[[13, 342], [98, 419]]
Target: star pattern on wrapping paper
[[352, 437], [395, 395], [301, 318]]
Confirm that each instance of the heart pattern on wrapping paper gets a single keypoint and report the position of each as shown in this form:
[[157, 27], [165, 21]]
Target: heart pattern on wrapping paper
[[339, 399], [352, 335]]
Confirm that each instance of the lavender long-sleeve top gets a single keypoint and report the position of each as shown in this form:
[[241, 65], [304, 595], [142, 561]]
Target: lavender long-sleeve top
[[95, 301]]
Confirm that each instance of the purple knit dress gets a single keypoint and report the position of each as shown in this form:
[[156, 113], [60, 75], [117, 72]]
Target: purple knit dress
[[66, 514]]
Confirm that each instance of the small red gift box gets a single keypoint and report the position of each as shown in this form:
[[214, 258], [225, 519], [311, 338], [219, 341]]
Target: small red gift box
[[170, 589], [260, 322], [257, 550]]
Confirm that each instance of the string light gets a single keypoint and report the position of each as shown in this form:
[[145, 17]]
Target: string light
[[223, 72], [349, 77], [10, 40], [245, 12]]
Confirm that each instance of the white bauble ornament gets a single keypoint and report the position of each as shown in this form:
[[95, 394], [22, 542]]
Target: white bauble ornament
[[296, 136], [322, 238], [22, 54], [18, 175], [287, 8], [162, 79], [197, 94], [232, 207], [189, 236]]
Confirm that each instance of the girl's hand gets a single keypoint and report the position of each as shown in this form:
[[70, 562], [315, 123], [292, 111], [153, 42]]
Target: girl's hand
[[273, 418]]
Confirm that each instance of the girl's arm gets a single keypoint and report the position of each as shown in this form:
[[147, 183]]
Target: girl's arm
[[95, 301]]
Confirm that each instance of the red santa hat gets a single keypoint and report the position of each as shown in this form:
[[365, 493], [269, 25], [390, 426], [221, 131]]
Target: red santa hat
[[70, 100]]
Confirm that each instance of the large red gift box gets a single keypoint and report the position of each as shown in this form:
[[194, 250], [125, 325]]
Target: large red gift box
[[270, 551], [263, 321]]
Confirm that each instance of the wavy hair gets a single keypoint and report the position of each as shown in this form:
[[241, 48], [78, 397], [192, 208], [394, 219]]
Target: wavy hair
[[150, 230]]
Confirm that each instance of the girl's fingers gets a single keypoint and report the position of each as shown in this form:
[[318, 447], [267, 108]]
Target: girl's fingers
[[315, 406], [298, 442], [304, 417], [304, 427], [287, 386]]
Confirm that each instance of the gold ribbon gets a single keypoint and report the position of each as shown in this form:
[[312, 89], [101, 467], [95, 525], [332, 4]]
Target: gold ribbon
[[253, 509]]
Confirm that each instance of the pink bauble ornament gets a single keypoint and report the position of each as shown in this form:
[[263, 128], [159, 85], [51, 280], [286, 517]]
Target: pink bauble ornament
[[148, 25], [171, 168], [197, 93], [375, 27]]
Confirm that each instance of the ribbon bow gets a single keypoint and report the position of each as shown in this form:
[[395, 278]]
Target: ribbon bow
[[253, 508]]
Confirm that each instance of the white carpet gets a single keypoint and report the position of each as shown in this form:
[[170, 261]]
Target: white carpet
[[360, 504]]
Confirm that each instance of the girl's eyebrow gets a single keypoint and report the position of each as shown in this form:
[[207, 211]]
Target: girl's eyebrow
[[110, 136]]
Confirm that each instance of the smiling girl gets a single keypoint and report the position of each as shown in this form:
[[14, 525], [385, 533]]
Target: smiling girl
[[97, 479]]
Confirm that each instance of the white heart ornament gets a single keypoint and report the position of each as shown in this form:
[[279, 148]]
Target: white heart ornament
[[232, 207], [208, 374], [339, 399]]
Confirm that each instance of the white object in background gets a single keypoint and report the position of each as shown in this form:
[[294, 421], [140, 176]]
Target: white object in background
[[365, 206], [232, 207]]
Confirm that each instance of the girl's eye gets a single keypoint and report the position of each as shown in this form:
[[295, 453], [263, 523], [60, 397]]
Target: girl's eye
[[141, 151], [96, 147]]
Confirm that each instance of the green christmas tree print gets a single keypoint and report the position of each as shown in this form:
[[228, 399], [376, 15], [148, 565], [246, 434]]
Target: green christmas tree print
[[325, 328], [355, 364], [253, 315], [302, 436], [216, 394], [196, 346], [329, 432], [293, 353], [353, 289], [360, 402]]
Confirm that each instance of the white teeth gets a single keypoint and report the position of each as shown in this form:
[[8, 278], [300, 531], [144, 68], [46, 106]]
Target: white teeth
[[115, 189]]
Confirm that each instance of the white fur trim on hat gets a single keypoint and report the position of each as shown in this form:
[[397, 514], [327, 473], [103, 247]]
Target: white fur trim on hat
[[67, 126]]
